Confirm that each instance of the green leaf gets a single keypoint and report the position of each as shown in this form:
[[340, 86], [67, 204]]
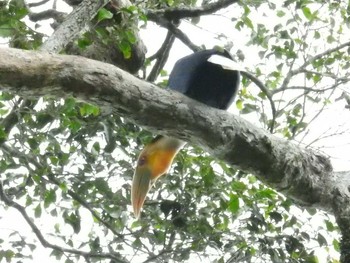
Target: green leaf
[[125, 48], [49, 198], [130, 36], [317, 35], [307, 13], [84, 42], [248, 22], [233, 204], [336, 245], [137, 243], [276, 216], [312, 259], [57, 228], [57, 254], [37, 211], [249, 108], [8, 254], [330, 226], [3, 134], [89, 109], [265, 193], [239, 104], [6, 30], [311, 210], [238, 187], [104, 14], [29, 200], [280, 13], [322, 241], [208, 175], [74, 220], [331, 39], [102, 185]]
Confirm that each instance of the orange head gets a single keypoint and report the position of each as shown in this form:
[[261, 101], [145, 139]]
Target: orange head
[[154, 161]]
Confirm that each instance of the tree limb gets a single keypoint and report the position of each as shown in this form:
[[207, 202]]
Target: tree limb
[[52, 179], [301, 174], [177, 32], [161, 57], [47, 14], [165, 17], [179, 13], [43, 241], [73, 25], [38, 3], [268, 94], [302, 68]]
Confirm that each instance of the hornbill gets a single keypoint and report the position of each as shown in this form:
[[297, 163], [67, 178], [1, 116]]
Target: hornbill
[[206, 76]]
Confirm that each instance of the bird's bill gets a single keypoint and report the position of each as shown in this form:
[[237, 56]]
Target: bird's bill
[[154, 161], [225, 62], [140, 186]]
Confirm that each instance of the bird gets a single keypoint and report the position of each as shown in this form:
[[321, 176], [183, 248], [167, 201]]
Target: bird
[[208, 76]]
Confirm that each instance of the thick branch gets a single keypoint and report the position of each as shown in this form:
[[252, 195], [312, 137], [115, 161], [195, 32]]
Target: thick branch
[[166, 17], [73, 25], [179, 13], [301, 174], [47, 14]]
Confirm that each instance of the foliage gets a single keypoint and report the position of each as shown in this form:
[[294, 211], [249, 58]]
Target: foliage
[[13, 27], [69, 166]]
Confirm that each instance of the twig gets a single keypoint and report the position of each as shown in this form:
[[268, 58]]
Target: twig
[[28, 158], [307, 89], [47, 14], [325, 53], [13, 117], [268, 94], [42, 239], [179, 13], [154, 257], [177, 32], [165, 16], [162, 56], [81, 201], [302, 69], [37, 3]]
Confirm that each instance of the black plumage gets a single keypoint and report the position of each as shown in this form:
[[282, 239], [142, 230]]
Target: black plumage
[[204, 81], [200, 76]]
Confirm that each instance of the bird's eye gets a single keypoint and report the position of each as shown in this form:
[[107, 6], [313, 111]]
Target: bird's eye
[[142, 161]]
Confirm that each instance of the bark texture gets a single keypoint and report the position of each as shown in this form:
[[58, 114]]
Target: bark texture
[[79, 21], [73, 25]]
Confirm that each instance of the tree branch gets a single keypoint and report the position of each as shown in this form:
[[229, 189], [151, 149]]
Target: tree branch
[[162, 56], [179, 13], [302, 68], [73, 25], [47, 14], [52, 179], [325, 53], [38, 3], [177, 32], [301, 174], [165, 17], [268, 94], [42, 239]]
